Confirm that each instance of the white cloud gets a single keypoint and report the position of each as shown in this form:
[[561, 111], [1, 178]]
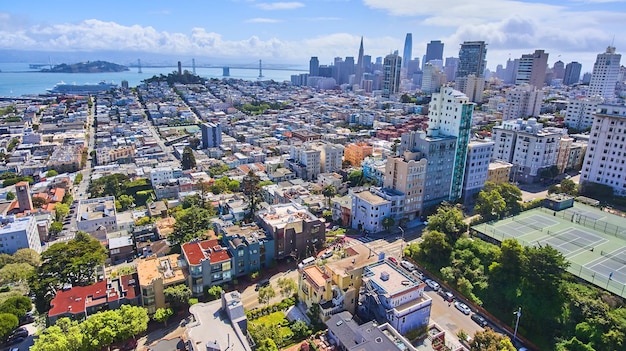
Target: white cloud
[[262, 20], [279, 5]]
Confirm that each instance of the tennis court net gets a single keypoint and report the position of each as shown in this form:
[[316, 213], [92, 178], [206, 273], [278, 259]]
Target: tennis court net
[[530, 225], [613, 257]]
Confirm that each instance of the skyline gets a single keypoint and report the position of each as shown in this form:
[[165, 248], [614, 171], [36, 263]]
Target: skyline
[[290, 32]]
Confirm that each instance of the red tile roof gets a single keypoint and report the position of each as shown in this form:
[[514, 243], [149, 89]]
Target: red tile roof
[[78, 298], [198, 251]]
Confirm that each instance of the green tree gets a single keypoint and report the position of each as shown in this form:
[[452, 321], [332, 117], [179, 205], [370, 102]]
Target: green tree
[[448, 220], [251, 188], [60, 211], [267, 345], [8, 322], [29, 256], [134, 321], [355, 178], [125, 202], [388, 222], [188, 160], [194, 143], [73, 262], [39, 202], [569, 187], [510, 193], [16, 305], [287, 286], [488, 340], [190, 223], [65, 335], [214, 292], [266, 293], [329, 192], [177, 295], [300, 329], [15, 272], [51, 173], [434, 247], [490, 205], [101, 329], [56, 228], [504, 276], [161, 315], [10, 196]]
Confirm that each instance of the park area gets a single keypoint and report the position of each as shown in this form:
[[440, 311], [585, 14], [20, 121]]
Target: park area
[[592, 240]]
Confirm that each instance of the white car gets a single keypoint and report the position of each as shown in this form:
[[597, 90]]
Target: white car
[[462, 307], [327, 254], [433, 284]]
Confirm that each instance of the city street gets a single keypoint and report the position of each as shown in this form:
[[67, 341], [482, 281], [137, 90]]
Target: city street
[[250, 297]]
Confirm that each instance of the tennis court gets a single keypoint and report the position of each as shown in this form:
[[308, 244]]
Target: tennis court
[[592, 240]]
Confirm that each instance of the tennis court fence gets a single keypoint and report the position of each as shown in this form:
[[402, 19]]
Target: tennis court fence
[[588, 222]]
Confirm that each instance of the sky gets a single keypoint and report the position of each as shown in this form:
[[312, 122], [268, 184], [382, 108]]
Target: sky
[[290, 32]]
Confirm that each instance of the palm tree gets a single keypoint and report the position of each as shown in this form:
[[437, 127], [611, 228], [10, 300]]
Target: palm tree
[[329, 192]]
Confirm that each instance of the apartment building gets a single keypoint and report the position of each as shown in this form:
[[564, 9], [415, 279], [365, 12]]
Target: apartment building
[[580, 112], [250, 248], [209, 264], [529, 146], [606, 157], [155, 274], [476, 168], [356, 153], [522, 101], [304, 162], [331, 156], [368, 211], [19, 233], [92, 214], [499, 171], [392, 295], [296, 231]]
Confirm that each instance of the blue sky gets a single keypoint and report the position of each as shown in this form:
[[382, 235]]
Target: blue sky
[[292, 31]]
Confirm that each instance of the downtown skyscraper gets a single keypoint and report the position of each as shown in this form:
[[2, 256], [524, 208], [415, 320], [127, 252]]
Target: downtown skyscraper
[[434, 51], [408, 50], [391, 74], [472, 59], [532, 69]]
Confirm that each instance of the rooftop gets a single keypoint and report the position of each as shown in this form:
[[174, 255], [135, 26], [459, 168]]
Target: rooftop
[[165, 268], [391, 278], [280, 215], [370, 198], [212, 326], [198, 251], [316, 275]]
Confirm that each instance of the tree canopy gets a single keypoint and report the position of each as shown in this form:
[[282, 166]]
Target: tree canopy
[[250, 187], [192, 222], [448, 220], [73, 262], [188, 160]]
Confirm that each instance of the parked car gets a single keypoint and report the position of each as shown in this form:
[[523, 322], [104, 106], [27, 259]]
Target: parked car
[[462, 307], [448, 296], [262, 283], [480, 320], [407, 265], [327, 254], [433, 284], [418, 274], [392, 259], [16, 340], [19, 333]]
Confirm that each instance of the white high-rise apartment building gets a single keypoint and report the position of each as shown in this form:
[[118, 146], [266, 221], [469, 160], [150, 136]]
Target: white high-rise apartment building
[[522, 101], [331, 156], [605, 160], [305, 162], [604, 75], [579, 112], [476, 167], [528, 146]]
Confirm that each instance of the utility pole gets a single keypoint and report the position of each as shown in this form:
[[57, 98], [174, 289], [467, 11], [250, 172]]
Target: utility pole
[[519, 314]]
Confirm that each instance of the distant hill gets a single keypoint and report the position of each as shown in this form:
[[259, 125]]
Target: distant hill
[[87, 67]]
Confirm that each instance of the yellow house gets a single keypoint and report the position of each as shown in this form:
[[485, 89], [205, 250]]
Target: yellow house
[[335, 286]]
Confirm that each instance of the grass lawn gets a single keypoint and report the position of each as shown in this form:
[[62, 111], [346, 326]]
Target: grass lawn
[[19, 289], [276, 318]]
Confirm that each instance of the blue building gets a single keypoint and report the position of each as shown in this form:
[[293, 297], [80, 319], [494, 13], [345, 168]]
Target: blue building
[[249, 246], [209, 264], [389, 294]]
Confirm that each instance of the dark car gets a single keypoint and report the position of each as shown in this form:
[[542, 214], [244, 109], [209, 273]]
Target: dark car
[[16, 340], [448, 296], [262, 283], [480, 320], [19, 333]]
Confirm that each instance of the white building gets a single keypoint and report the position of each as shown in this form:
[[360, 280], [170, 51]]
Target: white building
[[162, 175], [604, 74], [19, 233], [476, 167], [579, 112], [93, 214], [368, 211], [331, 156], [305, 162], [528, 146], [432, 78], [606, 153], [471, 86], [522, 101]]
